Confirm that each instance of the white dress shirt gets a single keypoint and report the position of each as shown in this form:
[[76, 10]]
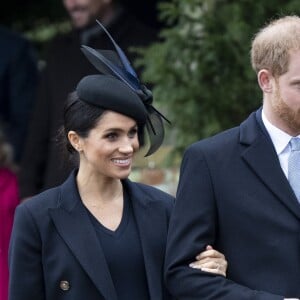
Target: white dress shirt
[[280, 141]]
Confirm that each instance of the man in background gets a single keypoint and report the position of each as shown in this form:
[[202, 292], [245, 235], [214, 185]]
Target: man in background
[[43, 165], [18, 81]]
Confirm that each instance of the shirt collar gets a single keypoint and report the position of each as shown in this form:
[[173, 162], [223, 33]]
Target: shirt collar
[[279, 138]]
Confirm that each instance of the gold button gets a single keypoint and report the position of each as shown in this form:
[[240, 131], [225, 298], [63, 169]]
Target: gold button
[[64, 285]]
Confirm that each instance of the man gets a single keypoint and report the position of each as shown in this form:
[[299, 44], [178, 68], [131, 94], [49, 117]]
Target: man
[[43, 165], [18, 81], [234, 191]]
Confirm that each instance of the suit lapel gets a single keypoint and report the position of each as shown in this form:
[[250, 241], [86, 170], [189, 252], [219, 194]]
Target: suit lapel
[[148, 220], [261, 156], [73, 224]]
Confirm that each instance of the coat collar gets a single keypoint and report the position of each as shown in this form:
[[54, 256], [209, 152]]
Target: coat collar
[[149, 222], [261, 156], [73, 224]]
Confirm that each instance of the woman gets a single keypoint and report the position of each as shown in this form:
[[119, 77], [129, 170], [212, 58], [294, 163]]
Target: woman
[[98, 235], [9, 199]]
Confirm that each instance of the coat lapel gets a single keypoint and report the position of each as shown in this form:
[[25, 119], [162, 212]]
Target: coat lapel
[[263, 160], [73, 224], [149, 223]]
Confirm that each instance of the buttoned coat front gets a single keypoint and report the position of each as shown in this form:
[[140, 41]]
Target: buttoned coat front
[[233, 194], [55, 253]]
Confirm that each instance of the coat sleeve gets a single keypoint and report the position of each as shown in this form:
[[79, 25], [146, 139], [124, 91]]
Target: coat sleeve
[[25, 258], [193, 226]]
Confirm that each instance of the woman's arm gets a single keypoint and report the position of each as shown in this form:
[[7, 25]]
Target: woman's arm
[[25, 258]]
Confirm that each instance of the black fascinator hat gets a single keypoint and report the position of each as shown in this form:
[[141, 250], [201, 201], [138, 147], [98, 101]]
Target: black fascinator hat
[[118, 88]]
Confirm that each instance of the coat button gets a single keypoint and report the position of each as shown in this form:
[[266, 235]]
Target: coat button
[[64, 285]]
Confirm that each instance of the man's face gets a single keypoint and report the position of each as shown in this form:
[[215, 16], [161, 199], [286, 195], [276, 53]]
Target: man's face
[[83, 12], [286, 99]]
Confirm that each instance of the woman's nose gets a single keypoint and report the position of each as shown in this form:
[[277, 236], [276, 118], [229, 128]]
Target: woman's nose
[[126, 147]]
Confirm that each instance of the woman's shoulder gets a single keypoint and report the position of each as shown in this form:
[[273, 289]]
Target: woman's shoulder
[[152, 192], [52, 197], [41, 202]]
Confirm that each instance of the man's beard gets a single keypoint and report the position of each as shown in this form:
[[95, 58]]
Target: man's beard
[[290, 116]]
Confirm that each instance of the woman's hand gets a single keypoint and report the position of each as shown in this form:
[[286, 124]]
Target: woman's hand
[[211, 261]]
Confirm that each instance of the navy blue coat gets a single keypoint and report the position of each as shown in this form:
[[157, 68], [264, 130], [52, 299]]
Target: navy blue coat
[[54, 241], [234, 195]]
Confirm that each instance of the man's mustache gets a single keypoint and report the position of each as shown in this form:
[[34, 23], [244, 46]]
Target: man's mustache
[[78, 8]]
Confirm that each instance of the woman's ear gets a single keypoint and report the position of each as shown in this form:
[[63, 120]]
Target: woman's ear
[[265, 80], [75, 140]]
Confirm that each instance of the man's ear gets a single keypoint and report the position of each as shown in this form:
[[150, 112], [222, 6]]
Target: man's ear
[[265, 80], [75, 140]]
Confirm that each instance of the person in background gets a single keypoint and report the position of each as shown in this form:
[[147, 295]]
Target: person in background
[[42, 165], [239, 191], [9, 199], [18, 83], [99, 235]]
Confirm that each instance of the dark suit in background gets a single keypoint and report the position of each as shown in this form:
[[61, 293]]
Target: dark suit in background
[[18, 81]]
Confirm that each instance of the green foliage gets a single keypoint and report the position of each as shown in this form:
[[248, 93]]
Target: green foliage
[[45, 32], [201, 67]]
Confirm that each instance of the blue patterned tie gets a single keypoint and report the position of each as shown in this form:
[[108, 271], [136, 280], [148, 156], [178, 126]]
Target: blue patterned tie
[[294, 166]]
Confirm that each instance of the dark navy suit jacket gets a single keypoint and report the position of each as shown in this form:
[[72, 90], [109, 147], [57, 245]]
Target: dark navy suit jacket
[[54, 241], [234, 195], [18, 81]]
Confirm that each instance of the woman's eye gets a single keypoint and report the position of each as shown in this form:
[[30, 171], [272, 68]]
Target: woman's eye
[[132, 133], [111, 136]]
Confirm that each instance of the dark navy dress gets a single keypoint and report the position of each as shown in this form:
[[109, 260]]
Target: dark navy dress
[[124, 255]]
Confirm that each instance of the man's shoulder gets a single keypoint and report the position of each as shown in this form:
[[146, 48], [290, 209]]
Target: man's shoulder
[[217, 141], [131, 32], [11, 37], [61, 39], [60, 48], [231, 137], [13, 42]]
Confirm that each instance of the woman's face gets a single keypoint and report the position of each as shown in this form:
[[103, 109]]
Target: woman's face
[[109, 148]]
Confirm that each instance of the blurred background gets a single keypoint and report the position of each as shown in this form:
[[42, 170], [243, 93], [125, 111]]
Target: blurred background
[[42, 20], [199, 66]]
